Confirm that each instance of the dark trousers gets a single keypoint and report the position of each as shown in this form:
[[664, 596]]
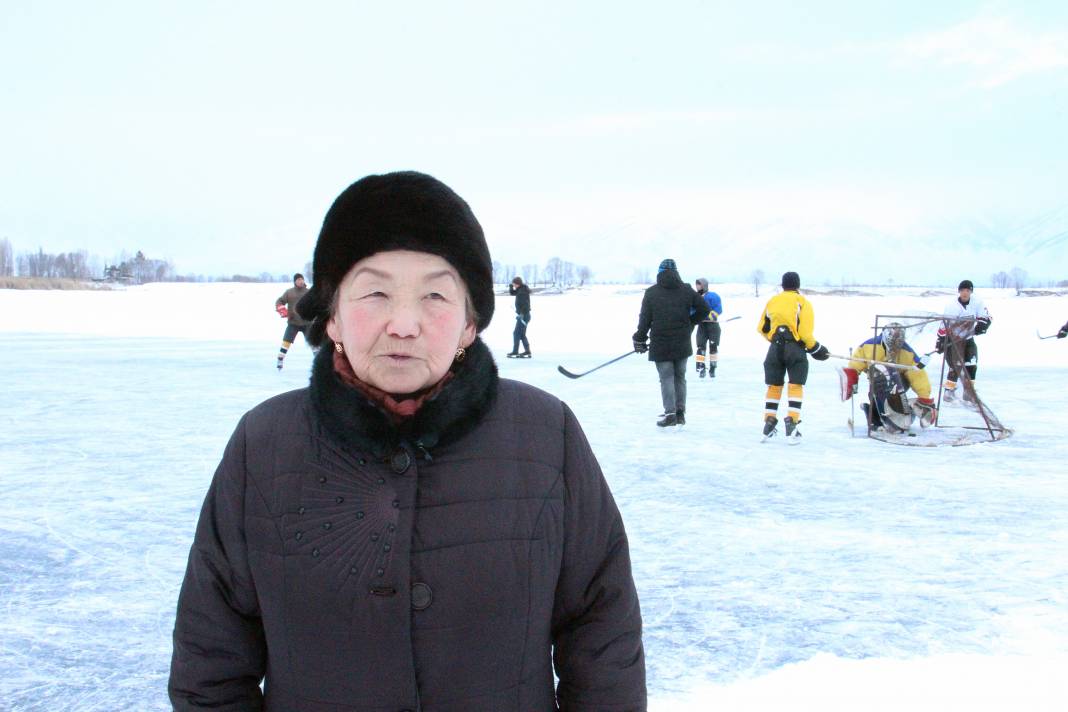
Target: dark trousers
[[519, 334], [673, 384], [970, 359], [708, 333], [785, 357], [291, 332]]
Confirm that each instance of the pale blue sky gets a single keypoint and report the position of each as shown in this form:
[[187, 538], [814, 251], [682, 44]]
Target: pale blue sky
[[217, 134]]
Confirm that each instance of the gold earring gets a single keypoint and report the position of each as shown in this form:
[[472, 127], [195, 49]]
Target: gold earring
[[339, 348], [461, 354]]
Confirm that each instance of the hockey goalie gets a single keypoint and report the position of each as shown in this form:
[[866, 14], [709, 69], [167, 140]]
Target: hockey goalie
[[893, 369]]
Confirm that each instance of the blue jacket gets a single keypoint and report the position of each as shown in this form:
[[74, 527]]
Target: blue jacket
[[714, 304]]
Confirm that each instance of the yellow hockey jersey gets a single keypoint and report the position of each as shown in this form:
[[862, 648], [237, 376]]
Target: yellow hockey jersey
[[874, 350], [793, 311]]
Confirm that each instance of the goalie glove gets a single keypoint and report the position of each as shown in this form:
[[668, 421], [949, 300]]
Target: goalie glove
[[282, 311], [981, 325], [850, 381]]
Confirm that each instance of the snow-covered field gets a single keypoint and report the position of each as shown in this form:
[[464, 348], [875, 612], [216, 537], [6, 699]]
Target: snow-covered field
[[843, 574]]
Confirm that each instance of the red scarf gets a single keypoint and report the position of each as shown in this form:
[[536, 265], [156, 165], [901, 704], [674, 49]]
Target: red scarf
[[405, 407]]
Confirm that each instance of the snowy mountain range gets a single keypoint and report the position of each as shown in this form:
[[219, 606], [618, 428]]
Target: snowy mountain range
[[833, 252]]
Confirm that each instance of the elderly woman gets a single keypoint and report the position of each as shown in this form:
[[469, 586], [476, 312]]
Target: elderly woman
[[410, 532]]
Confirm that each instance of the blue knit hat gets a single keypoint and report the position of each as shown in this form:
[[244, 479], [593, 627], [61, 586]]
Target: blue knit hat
[[667, 264]]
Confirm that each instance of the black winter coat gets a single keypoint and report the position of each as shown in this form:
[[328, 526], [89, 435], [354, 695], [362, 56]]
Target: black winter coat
[[670, 310], [522, 300], [443, 567]]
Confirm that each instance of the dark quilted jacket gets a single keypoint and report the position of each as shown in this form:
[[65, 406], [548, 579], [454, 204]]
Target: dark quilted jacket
[[670, 309], [444, 567]]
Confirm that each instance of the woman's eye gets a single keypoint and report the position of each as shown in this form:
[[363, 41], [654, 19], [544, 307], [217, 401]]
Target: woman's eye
[[372, 295], [435, 295]]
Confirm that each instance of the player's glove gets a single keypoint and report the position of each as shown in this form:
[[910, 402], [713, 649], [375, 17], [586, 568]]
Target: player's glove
[[981, 325], [940, 343], [1063, 332], [820, 352], [282, 311], [640, 346]]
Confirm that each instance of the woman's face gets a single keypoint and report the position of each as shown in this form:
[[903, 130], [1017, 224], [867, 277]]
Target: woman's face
[[400, 316]]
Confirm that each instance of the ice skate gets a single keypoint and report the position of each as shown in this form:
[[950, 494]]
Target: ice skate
[[770, 423], [525, 354], [793, 435]]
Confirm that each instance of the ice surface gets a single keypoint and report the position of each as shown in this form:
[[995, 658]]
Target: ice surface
[[841, 574]]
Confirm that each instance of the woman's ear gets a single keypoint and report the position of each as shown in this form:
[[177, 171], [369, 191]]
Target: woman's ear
[[467, 337], [332, 331]]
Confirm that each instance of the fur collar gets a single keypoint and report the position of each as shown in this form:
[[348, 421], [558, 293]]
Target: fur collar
[[360, 424]]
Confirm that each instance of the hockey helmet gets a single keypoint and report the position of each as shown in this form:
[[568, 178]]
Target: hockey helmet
[[892, 339]]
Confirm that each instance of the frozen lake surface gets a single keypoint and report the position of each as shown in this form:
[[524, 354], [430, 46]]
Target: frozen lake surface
[[763, 569]]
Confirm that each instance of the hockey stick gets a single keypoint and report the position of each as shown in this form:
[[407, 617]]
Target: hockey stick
[[567, 373], [900, 366], [1039, 335], [852, 411], [731, 319]]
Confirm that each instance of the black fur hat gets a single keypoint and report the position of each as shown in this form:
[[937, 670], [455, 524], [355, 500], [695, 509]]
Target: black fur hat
[[791, 280], [397, 211]]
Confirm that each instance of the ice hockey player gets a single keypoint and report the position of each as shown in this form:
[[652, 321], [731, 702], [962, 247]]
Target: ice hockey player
[[967, 318], [888, 404], [670, 309], [521, 292], [708, 331], [1063, 332], [286, 306], [788, 323]]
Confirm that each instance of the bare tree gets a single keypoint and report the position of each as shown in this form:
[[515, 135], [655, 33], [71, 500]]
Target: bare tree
[[1000, 280], [641, 276], [554, 270], [757, 278], [7, 261], [584, 274], [568, 275], [1018, 279]]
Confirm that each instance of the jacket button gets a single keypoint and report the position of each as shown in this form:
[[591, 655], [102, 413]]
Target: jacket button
[[422, 596], [381, 480], [322, 480], [302, 510], [399, 461], [374, 536], [298, 536], [338, 500], [327, 525], [359, 515]]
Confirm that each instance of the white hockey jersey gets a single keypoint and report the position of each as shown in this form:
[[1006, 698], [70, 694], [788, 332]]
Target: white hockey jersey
[[974, 311]]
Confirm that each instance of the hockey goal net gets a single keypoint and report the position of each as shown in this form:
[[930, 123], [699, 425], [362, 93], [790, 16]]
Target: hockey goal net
[[962, 417]]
